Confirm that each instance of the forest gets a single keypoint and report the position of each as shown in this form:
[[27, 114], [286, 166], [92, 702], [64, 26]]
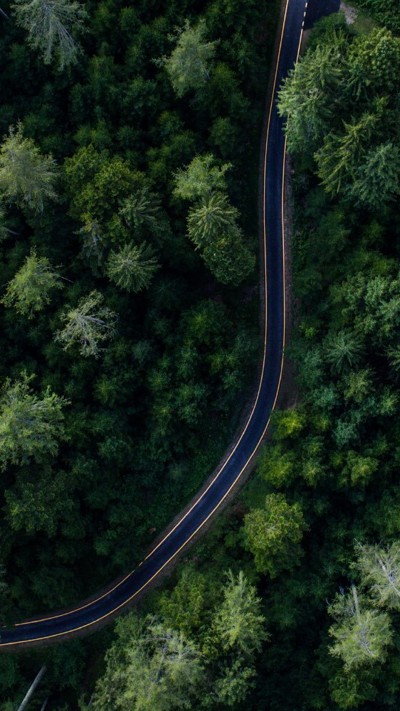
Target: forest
[[129, 333]]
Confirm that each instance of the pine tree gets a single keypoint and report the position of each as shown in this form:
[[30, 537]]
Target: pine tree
[[212, 218], [377, 179], [141, 211], [132, 267], [343, 350]]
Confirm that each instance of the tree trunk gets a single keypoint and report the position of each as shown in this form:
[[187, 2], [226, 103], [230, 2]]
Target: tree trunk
[[31, 690]]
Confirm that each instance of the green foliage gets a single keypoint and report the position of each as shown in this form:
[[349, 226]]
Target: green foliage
[[29, 290], [273, 534], [142, 418], [213, 228], [89, 324], [183, 608], [51, 25], [132, 267], [379, 569], [309, 96], [239, 623], [211, 218], [200, 178], [26, 176], [30, 426], [377, 179], [148, 667], [361, 636], [188, 64]]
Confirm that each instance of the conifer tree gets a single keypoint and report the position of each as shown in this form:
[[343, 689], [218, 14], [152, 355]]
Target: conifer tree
[[132, 267]]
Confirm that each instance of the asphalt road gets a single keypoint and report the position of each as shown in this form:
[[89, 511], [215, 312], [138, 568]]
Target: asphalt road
[[86, 616]]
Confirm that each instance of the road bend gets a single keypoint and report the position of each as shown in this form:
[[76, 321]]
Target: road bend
[[87, 616]]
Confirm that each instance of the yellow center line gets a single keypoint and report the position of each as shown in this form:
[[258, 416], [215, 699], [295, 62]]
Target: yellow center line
[[132, 597]]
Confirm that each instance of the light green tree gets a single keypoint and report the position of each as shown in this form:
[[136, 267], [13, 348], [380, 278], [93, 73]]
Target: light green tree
[[379, 568], [51, 26], [132, 267], [30, 426], [26, 176], [273, 534], [148, 668], [361, 636], [200, 178], [239, 624], [29, 290], [88, 325], [188, 65], [233, 685]]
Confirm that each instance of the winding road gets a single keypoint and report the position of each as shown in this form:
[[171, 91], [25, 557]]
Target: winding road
[[88, 616]]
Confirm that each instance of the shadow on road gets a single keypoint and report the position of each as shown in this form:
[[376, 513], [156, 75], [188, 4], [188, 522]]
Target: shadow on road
[[320, 8]]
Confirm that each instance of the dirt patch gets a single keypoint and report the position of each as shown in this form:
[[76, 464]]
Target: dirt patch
[[350, 12]]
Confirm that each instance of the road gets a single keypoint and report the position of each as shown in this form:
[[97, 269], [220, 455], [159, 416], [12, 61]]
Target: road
[[87, 616]]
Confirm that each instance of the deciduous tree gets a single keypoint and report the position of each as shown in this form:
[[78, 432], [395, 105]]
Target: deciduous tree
[[200, 178], [26, 176], [273, 534], [188, 65], [239, 623], [51, 26], [88, 325], [361, 635], [379, 568], [30, 425], [30, 288], [148, 668]]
